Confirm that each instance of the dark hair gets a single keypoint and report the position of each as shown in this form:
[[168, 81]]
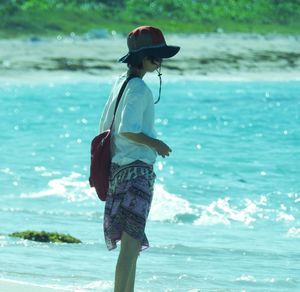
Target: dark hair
[[136, 60]]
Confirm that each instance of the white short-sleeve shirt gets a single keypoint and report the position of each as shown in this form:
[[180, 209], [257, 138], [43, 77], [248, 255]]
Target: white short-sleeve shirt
[[135, 114]]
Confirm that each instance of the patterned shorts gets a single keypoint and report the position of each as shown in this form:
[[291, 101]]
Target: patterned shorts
[[128, 202]]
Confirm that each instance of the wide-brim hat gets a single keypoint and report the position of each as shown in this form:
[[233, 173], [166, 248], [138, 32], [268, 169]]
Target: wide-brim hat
[[148, 41]]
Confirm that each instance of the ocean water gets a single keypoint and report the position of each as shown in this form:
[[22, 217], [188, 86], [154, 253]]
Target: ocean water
[[225, 215]]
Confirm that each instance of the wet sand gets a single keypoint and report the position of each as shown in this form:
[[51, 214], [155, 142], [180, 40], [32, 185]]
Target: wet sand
[[212, 56]]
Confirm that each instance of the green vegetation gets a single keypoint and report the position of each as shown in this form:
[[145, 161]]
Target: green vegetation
[[44, 236], [53, 17]]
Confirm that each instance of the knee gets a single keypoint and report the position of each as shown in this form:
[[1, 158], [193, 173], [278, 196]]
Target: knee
[[129, 253], [130, 245]]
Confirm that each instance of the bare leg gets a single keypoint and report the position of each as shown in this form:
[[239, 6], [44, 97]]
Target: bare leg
[[126, 265], [131, 279]]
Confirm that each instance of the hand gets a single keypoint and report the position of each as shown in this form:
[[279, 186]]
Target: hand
[[162, 148]]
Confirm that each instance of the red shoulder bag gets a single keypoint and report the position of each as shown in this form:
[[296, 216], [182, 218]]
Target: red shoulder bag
[[101, 155]]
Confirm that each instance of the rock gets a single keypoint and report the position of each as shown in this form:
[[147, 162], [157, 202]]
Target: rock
[[43, 236], [35, 39]]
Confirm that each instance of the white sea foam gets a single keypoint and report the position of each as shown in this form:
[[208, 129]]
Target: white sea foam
[[282, 216], [169, 207], [6, 171], [165, 206], [93, 286], [221, 211], [72, 187], [294, 232], [44, 172], [246, 278]]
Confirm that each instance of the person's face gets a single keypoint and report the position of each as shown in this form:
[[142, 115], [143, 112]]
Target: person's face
[[151, 63]]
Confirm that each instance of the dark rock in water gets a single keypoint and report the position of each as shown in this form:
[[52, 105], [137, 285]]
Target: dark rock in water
[[43, 236], [35, 39]]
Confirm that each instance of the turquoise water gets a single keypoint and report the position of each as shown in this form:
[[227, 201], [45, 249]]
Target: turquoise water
[[225, 215]]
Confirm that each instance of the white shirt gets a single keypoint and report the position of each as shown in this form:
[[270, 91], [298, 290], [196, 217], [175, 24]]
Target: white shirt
[[135, 114]]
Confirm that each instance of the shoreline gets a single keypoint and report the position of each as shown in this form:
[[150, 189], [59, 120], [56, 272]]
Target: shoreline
[[13, 286], [202, 56], [59, 77]]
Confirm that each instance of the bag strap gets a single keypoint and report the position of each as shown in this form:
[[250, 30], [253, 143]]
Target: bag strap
[[119, 97]]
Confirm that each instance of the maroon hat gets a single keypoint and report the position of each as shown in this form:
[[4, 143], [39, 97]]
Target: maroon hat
[[148, 41]]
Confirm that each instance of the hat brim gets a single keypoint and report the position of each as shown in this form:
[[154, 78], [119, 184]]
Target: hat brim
[[164, 52]]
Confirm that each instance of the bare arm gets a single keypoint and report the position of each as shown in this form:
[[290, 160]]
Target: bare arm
[[159, 146]]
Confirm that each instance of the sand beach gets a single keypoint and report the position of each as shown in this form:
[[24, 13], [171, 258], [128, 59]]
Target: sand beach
[[207, 56]]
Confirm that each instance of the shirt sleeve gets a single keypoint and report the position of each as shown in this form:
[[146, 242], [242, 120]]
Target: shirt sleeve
[[135, 103], [106, 117], [104, 123]]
